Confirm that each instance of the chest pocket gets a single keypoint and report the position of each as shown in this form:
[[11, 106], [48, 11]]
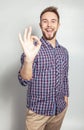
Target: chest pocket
[[44, 63]]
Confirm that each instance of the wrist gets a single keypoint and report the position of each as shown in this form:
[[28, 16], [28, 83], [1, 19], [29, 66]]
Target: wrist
[[27, 60]]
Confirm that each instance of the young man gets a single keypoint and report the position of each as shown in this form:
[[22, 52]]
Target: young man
[[44, 70]]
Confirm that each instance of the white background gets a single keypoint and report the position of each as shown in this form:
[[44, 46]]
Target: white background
[[15, 15]]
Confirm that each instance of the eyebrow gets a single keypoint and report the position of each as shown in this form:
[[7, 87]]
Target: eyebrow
[[44, 19], [51, 19]]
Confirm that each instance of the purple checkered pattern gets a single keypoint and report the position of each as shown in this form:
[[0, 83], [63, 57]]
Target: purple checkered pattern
[[49, 84]]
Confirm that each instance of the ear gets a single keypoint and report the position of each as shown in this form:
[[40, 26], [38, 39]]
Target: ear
[[40, 25], [58, 25]]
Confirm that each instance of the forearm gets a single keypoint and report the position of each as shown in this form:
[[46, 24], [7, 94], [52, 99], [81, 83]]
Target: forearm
[[26, 70]]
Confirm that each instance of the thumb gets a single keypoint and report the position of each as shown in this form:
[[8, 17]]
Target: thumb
[[35, 38]]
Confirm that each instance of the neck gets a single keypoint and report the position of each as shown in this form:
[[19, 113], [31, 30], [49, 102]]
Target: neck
[[52, 42]]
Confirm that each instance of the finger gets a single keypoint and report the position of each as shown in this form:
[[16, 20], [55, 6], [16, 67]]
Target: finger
[[29, 32], [20, 38], [36, 39], [25, 34]]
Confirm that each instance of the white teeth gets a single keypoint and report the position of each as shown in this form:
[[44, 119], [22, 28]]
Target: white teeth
[[49, 30]]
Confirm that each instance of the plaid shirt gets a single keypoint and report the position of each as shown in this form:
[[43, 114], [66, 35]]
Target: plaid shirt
[[49, 84]]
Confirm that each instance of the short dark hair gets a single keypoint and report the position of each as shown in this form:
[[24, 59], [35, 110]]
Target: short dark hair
[[50, 9]]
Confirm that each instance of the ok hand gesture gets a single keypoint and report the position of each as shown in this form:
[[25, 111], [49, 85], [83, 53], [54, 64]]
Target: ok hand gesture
[[28, 46]]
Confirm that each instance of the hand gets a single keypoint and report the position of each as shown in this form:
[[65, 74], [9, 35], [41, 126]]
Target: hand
[[66, 100], [29, 48]]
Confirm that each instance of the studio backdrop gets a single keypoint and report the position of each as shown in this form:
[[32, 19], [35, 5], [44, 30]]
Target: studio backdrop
[[15, 16]]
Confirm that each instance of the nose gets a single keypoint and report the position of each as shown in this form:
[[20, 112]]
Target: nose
[[48, 24]]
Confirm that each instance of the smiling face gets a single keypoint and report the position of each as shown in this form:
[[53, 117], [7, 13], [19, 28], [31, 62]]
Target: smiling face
[[49, 25]]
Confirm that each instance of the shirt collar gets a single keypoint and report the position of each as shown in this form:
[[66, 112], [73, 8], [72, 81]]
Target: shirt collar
[[47, 44]]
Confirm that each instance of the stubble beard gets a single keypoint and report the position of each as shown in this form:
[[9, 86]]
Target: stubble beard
[[49, 38]]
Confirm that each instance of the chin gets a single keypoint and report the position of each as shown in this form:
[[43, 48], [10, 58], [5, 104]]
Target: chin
[[49, 38]]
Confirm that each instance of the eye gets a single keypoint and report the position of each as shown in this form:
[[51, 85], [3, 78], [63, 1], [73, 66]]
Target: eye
[[53, 21], [44, 21]]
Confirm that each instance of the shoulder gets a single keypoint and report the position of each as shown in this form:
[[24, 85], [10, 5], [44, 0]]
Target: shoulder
[[64, 50]]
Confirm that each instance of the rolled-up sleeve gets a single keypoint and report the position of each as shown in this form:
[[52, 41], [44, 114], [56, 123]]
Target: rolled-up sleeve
[[66, 84], [22, 81]]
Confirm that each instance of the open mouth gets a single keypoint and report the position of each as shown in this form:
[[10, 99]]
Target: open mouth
[[49, 31]]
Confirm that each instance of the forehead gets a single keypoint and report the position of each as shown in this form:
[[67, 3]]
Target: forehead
[[49, 15]]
